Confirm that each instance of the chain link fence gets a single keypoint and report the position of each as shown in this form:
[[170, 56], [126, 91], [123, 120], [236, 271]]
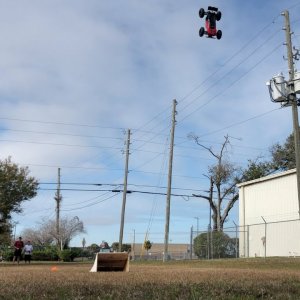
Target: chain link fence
[[212, 244], [267, 239]]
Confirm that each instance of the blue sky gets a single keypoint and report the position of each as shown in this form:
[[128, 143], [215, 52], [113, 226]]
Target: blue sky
[[75, 75]]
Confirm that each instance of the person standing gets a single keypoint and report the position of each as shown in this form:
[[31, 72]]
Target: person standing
[[28, 248], [19, 245]]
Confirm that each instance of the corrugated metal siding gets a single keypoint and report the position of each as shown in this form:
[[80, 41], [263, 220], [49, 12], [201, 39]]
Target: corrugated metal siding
[[275, 200]]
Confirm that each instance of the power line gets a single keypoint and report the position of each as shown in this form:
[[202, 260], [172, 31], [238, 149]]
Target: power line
[[117, 185], [230, 71], [234, 55], [59, 144], [241, 122], [180, 101], [95, 168], [105, 147], [71, 167], [213, 73], [91, 204], [62, 134], [294, 5], [129, 191], [78, 190], [88, 200], [60, 123], [115, 191], [233, 83]]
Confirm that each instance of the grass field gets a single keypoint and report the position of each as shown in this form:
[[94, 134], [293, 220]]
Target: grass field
[[219, 279]]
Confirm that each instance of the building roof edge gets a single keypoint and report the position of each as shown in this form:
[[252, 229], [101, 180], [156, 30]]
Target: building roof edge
[[266, 178]]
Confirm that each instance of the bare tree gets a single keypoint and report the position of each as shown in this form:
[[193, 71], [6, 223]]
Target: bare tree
[[69, 228], [46, 232], [38, 236], [223, 177]]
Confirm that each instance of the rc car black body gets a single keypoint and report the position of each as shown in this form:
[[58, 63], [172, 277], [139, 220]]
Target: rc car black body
[[212, 16]]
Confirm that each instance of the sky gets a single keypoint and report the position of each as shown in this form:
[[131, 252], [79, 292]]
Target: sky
[[76, 75]]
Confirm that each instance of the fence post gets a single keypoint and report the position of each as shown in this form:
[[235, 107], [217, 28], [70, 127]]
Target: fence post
[[236, 240], [211, 244], [207, 244], [191, 244], [265, 241], [248, 246]]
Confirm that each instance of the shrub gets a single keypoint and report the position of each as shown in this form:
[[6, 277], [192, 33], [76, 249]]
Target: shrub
[[125, 247], [68, 255], [44, 255], [7, 254]]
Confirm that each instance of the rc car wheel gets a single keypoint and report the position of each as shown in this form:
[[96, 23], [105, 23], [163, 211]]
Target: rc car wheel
[[219, 34], [201, 13], [201, 31], [218, 16]]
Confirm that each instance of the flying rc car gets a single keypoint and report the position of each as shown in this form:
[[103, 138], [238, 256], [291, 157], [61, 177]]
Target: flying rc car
[[212, 16]]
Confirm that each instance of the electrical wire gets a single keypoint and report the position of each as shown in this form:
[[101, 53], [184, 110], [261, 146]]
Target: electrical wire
[[184, 98], [231, 84], [59, 144], [253, 52], [240, 122], [91, 204], [60, 123], [121, 184], [62, 134], [155, 198], [115, 191], [243, 60]]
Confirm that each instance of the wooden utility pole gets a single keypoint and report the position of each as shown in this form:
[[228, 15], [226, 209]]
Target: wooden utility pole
[[58, 199], [292, 99], [124, 191], [168, 200]]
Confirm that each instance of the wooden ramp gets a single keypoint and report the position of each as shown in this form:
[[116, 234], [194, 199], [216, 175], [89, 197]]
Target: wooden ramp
[[111, 262]]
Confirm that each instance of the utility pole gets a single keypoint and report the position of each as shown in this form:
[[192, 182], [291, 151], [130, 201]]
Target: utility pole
[[284, 92], [197, 218], [168, 200], [191, 244], [293, 99], [58, 199], [124, 191]]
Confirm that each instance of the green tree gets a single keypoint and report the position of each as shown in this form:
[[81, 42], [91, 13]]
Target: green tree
[[94, 247], [256, 169], [147, 245], [283, 156], [125, 247], [83, 242], [282, 159], [222, 245], [16, 186]]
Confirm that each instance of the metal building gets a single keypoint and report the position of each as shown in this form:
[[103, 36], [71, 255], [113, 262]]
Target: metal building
[[268, 216]]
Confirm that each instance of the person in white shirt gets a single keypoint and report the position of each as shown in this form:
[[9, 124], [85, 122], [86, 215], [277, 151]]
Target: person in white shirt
[[28, 248]]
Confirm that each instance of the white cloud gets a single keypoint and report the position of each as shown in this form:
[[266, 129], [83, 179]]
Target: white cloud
[[119, 65]]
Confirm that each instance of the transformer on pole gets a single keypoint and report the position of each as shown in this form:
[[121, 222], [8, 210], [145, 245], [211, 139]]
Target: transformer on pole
[[285, 92]]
